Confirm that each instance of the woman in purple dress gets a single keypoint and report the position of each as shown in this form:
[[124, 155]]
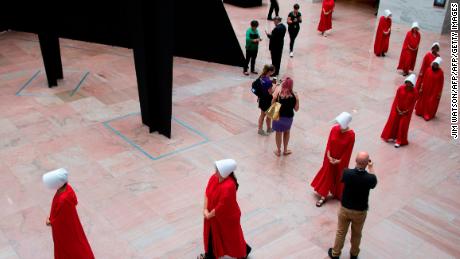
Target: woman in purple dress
[[289, 101]]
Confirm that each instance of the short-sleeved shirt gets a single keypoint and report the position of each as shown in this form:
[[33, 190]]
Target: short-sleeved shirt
[[287, 106], [250, 36], [357, 183], [294, 25]]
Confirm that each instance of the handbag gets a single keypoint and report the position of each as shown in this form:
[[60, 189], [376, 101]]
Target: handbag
[[274, 111]]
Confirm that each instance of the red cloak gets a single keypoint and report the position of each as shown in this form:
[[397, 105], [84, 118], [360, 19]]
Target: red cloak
[[397, 125], [325, 22], [329, 178], [382, 36], [227, 235], [427, 60], [409, 51], [69, 238], [430, 92]]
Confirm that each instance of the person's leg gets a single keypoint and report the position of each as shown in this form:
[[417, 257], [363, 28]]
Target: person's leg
[[246, 61], [286, 136], [270, 12], [342, 229], [268, 121], [276, 61], [253, 61], [292, 39], [278, 143], [292, 35], [261, 120], [357, 224], [277, 8]]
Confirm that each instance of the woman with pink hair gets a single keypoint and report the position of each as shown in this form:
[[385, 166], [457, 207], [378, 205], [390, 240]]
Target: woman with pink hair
[[289, 101]]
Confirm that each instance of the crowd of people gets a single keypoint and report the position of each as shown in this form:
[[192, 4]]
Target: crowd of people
[[278, 102]]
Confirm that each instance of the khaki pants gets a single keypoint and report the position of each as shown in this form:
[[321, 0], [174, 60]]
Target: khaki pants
[[356, 218]]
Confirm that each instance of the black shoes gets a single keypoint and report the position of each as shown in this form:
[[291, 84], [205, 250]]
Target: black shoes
[[353, 256], [329, 252]]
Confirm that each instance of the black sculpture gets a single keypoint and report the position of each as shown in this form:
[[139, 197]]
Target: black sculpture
[[155, 31], [244, 3]]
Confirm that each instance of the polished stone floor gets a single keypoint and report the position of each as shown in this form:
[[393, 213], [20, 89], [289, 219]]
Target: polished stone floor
[[140, 195]]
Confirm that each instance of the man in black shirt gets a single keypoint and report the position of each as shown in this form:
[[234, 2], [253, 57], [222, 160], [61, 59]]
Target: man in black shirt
[[277, 43], [358, 183]]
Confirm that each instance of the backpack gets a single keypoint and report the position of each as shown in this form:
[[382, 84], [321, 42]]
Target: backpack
[[257, 87]]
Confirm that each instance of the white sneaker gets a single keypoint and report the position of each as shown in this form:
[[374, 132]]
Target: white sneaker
[[397, 145], [291, 54]]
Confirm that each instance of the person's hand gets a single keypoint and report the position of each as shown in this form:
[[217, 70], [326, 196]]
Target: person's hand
[[211, 214], [370, 166], [48, 222], [205, 214], [337, 161], [370, 163]]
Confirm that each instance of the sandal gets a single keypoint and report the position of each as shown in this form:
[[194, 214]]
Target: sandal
[[287, 152], [201, 256], [320, 202], [277, 153]]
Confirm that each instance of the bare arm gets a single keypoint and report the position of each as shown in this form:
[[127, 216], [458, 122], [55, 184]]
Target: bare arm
[[296, 107], [205, 209]]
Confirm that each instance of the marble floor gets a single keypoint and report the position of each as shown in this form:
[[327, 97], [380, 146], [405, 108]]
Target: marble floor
[[140, 195]]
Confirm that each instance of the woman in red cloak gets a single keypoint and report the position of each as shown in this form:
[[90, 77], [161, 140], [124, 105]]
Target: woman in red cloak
[[382, 36], [336, 158], [427, 60], [69, 238], [397, 126], [223, 235], [409, 50], [430, 91], [325, 22]]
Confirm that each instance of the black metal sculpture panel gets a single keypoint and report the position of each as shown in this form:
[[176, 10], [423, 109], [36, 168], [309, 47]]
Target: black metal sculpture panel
[[155, 30]]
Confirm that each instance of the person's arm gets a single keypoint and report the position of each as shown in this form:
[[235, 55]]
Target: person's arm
[[259, 39], [296, 107], [299, 19], [276, 93], [205, 209], [289, 19], [226, 196], [331, 159], [440, 88], [370, 168], [270, 90], [413, 49]]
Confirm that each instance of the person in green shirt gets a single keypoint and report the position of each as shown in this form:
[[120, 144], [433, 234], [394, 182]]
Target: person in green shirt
[[252, 47]]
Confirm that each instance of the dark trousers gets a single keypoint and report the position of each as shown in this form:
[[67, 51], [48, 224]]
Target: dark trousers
[[251, 55], [273, 6], [292, 34], [276, 60]]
